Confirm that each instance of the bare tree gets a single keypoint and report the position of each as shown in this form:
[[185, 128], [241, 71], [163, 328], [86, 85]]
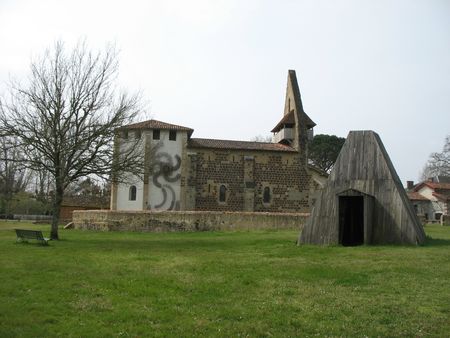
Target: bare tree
[[66, 117], [13, 177], [439, 163], [262, 138]]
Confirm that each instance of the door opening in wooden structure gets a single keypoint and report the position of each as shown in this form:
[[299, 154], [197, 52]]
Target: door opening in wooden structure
[[351, 220]]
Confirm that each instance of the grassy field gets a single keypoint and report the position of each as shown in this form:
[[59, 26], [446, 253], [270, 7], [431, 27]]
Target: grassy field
[[230, 284]]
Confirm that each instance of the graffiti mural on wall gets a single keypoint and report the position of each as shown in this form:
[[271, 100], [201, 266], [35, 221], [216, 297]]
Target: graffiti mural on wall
[[165, 170]]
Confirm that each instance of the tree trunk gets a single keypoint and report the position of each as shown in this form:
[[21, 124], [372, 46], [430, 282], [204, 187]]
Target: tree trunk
[[59, 193]]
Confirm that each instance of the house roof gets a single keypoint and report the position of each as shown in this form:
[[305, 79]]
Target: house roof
[[155, 124], [415, 196], [238, 145], [442, 197], [289, 118], [433, 185]]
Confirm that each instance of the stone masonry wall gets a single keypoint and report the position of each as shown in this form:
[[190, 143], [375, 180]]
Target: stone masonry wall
[[245, 174], [108, 220]]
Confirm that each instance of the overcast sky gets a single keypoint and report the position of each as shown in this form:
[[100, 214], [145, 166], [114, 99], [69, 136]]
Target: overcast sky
[[220, 66]]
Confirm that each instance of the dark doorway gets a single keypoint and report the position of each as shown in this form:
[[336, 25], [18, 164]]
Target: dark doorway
[[351, 220]]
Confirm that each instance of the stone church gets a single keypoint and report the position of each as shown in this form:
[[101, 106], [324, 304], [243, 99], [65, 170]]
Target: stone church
[[221, 175]]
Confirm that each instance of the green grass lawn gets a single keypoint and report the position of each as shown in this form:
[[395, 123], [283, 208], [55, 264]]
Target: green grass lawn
[[230, 284]]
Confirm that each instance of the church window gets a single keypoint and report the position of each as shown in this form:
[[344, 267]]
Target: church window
[[266, 195], [156, 134], [132, 193], [222, 193], [172, 135]]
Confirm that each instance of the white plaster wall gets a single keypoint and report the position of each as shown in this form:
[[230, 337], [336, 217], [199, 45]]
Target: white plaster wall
[[428, 193], [123, 202], [167, 195]]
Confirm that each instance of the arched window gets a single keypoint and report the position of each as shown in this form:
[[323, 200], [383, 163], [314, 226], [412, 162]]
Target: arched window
[[222, 193], [132, 193], [266, 195]]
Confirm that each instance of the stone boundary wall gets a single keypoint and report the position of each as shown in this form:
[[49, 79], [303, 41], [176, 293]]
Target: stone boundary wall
[[164, 221]]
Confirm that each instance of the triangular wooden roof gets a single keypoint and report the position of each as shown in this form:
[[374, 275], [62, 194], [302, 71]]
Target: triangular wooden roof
[[364, 165]]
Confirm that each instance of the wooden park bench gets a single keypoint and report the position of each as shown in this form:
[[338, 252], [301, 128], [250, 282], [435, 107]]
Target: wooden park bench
[[25, 235]]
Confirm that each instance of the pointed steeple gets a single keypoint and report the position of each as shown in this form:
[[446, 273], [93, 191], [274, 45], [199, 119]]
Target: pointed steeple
[[293, 127], [293, 101]]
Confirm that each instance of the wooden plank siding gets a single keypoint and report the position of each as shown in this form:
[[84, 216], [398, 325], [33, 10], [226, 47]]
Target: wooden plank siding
[[363, 165]]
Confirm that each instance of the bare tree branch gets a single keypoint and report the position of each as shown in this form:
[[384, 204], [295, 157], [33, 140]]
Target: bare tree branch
[[66, 117], [438, 163]]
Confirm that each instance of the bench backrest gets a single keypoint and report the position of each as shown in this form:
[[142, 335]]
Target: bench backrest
[[30, 234]]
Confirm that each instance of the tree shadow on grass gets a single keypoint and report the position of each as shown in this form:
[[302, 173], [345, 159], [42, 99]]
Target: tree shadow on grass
[[429, 241]]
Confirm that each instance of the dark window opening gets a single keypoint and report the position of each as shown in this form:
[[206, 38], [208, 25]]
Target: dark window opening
[[156, 134], [137, 134], [351, 220], [266, 195], [416, 208], [437, 216], [125, 134], [172, 135], [222, 193], [132, 193]]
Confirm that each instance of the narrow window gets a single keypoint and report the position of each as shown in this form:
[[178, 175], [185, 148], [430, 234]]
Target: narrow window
[[132, 193], [266, 195], [222, 193], [156, 134], [137, 134], [172, 135], [125, 134]]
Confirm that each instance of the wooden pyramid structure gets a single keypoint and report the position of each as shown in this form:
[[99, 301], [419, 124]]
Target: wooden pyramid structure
[[363, 201]]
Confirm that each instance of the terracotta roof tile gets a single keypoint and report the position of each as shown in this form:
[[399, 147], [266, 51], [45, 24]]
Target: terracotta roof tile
[[432, 185], [290, 119], [155, 124], [442, 197], [238, 145], [415, 196]]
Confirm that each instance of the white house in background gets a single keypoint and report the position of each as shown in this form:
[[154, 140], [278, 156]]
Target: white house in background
[[431, 198]]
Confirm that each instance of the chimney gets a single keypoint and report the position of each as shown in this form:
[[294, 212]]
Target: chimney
[[409, 185]]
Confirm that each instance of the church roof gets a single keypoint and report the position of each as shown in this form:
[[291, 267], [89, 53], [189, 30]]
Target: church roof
[[290, 119], [155, 124], [238, 145]]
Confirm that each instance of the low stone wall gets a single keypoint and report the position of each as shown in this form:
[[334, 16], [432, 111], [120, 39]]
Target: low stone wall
[[153, 221]]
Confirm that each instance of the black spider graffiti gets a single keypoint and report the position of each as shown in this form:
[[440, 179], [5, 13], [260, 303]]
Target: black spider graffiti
[[164, 168]]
